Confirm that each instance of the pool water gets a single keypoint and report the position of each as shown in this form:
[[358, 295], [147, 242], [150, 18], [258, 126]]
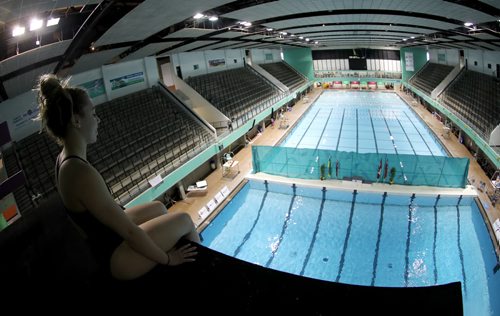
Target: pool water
[[363, 122], [360, 238]]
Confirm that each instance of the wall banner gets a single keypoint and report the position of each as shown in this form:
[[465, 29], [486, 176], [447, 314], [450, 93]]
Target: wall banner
[[127, 80], [94, 88], [217, 62], [25, 118]]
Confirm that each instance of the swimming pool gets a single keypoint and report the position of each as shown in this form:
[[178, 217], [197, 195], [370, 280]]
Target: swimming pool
[[373, 239], [363, 122]]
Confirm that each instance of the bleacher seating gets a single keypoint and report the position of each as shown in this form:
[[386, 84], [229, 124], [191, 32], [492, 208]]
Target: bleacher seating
[[239, 93], [474, 98], [430, 76], [35, 155], [286, 74], [140, 135]]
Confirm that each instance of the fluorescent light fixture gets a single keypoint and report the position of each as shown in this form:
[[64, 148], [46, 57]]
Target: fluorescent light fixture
[[301, 37], [468, 24], [213, 18], [52, 21], [35, 24], [198, 16], [245, 23], [18, 30], [269, 29]]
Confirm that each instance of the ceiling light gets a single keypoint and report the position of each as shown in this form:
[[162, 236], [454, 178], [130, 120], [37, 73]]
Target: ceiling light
[[53, 21], [37, 42], [307, 40], [269, 29], [198, 16], [245, 23], [35, 24], [213, 18], [301, 37], [468, 24], [18, 30]]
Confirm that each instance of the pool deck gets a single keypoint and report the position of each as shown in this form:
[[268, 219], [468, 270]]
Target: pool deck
[[272, 135], [344, 185]]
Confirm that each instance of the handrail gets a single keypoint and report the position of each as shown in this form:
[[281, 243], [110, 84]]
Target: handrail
[[188, 110]]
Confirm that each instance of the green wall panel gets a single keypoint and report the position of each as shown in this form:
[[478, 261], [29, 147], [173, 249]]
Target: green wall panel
[[301, 60], [419, 60]]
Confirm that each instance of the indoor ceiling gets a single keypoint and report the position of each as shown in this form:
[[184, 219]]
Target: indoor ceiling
[[104, 32]]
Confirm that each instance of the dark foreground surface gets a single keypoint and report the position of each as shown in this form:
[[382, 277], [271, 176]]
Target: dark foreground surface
[[46, 265]]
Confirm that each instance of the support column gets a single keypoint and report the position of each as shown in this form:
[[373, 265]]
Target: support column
[[181, 190]]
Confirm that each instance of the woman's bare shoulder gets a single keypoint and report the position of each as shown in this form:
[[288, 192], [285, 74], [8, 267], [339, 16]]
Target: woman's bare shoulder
[[81, 182], [76, 166], [79, 174]]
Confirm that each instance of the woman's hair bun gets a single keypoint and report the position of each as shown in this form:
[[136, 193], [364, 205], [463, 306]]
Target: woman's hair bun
[[50, 86]]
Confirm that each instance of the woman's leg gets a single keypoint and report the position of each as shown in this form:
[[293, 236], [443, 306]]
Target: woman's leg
[[165, 231], [142, 213]]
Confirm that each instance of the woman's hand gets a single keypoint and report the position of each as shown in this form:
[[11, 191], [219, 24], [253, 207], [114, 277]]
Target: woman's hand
[[182, 254]]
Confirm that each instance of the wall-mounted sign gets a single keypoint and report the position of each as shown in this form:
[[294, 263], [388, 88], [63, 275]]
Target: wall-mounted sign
[[94, 88], [217, 62], [127, 80], [409, 61]]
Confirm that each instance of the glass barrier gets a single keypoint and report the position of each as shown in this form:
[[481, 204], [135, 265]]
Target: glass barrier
[[307, 163]]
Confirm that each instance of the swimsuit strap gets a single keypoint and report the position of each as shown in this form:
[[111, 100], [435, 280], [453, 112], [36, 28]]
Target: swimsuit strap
[[59, 163]]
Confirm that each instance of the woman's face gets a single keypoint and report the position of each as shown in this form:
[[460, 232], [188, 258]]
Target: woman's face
[[88, 121]]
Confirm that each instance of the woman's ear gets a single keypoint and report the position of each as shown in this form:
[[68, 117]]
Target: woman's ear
[[75, 121]]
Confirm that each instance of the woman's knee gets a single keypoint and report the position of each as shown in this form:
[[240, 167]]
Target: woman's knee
[[159, 207], [184, 220]]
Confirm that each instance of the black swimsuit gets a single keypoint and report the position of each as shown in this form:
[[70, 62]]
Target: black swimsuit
[[103, 241]]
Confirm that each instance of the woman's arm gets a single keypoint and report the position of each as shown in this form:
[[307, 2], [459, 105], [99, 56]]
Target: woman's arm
[[91, 191]]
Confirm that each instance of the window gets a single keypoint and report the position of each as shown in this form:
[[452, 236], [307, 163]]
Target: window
[[196, 67]]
